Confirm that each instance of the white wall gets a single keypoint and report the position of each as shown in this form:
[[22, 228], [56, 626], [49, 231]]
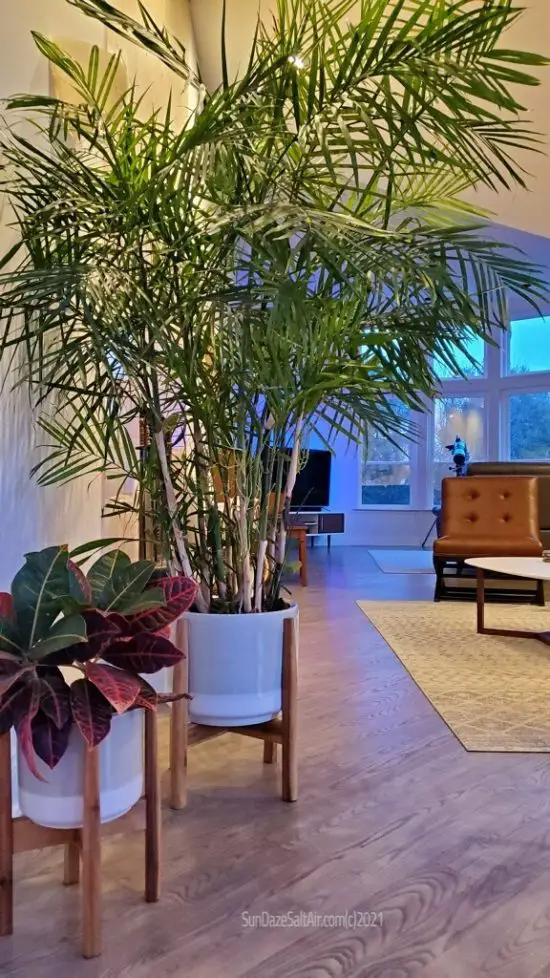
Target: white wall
[[31, 517]]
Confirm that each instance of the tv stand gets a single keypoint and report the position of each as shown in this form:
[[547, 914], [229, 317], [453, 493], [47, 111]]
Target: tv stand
[[321, 522]]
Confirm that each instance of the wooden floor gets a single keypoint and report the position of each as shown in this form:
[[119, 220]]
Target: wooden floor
[[450, 850]]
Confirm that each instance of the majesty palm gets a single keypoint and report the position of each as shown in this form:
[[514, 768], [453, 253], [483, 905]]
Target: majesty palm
[[296, 252]]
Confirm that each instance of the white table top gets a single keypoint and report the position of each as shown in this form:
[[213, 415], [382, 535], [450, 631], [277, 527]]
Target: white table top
[[532, 567]]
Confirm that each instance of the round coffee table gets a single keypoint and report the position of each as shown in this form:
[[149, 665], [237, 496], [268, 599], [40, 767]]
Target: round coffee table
[[532, 568]]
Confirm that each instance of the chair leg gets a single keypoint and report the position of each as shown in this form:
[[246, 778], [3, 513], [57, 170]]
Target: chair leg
[[290, 711], [540, 594], [6, 839], [439, 566]]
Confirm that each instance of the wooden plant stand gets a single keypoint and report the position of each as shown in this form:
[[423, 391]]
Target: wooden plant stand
[[299, 533], [280, 730], [82, 846]]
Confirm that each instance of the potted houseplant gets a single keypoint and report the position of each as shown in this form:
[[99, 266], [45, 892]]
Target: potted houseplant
[[74, 651], [277, 266]]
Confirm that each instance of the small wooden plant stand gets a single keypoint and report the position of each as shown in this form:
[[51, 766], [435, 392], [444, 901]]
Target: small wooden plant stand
[[82, 846], [281, 730]]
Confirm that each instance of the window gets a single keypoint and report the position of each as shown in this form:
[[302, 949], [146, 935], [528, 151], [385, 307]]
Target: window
[[386, 469], [529, 425], [463, 416], [529, 346], [501, 409], [476, 350]]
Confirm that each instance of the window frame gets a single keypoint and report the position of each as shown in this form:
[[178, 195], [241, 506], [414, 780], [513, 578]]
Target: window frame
[[505, 417], [416, 464], [505, 351], [495, 387]]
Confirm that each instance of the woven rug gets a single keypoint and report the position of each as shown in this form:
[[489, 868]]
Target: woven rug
[[492, 691], [404, 561]]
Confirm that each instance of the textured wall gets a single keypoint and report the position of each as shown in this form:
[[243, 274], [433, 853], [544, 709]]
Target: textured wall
[[31, 517]]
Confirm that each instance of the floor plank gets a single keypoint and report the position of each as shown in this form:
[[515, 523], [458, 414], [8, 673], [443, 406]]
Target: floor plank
[[394, 818]]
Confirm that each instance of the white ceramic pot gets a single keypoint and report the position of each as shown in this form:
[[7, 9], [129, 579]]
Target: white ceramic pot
[[58, 801], [235, 664], [161, 681]]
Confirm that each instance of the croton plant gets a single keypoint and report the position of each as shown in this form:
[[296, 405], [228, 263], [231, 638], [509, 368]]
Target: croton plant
[[111, 624]]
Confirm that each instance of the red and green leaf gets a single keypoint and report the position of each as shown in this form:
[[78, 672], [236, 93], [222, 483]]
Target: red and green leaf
[[179, 594], [24, 736], [144, 653], [9, 663], [66, 633], [91, 711], [10, 639], [20, 699], [100, 575], [6, 606], [7, 679], [147, 697], [39, 590], [101, 631], [23, 717], [55, 697], [48, 740], [118, 687], [79, 585]]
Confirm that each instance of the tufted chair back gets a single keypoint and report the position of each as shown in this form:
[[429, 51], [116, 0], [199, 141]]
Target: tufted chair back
[[489, 516]]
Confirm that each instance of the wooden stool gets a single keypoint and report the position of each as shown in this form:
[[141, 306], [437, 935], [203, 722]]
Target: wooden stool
[[299, 533], [81, 845], [281, 730]]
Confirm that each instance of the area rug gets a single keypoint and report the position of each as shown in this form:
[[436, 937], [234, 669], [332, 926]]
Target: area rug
[[404, 561], [492, 691]]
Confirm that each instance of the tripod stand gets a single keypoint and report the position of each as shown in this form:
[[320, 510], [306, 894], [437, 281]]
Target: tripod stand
[[436, 511], [460, 469]]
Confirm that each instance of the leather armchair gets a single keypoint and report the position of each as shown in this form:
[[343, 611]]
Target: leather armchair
[[486, 516], [539, 469]]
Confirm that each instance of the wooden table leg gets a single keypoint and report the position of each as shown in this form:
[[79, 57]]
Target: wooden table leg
[[290, 712], [302, 556], [480, 598], [6, 838], [179, 723], [152, 810], [91, 858], [71, 868]]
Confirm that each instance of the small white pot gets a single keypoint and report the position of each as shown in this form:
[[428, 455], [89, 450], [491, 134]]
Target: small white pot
[[58, 802], [235, 665]]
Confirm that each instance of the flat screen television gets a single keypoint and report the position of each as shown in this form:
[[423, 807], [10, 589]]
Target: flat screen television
[[312, 489]]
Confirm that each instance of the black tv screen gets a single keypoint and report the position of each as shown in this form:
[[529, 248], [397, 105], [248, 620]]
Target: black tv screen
[[312, 489]]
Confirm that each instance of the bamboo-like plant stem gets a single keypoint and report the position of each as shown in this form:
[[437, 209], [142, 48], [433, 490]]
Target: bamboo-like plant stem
[[172, 505], [289, 489], [201, 469], [246, 566], [258, 587]]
